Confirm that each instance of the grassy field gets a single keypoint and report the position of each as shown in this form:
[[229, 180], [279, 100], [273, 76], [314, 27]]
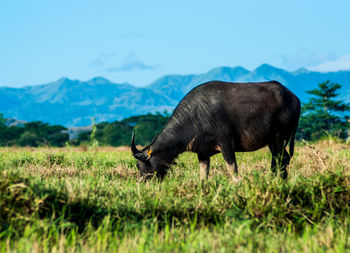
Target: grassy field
[[73, 200]]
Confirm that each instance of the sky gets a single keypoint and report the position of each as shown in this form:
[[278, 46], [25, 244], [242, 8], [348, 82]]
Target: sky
[[139, 41]]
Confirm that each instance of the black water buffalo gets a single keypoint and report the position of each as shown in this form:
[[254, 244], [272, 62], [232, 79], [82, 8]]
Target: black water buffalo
[[225, 117]]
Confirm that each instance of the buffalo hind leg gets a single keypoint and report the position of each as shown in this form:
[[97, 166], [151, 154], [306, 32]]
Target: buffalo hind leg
[[230, 160], [280, 157], [204, 164]]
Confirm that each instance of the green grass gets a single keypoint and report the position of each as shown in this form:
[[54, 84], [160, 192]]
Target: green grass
[[71, 200]]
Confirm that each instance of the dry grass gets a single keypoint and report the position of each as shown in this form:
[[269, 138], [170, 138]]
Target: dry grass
[[91, 200]]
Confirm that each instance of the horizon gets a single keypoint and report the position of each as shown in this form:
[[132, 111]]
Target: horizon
[[171, 74], [138, 42]]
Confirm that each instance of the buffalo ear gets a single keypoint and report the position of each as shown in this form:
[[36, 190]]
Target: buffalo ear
[[141, 156]]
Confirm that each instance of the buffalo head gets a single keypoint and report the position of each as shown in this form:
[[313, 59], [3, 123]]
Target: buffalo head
[[148, 164]]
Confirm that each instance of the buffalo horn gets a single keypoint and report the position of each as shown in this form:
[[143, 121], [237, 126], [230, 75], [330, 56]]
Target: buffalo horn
[[133, 146], [135, 152]]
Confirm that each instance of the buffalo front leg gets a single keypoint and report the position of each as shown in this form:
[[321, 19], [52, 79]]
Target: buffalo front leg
[[230, 160], [204, 164]]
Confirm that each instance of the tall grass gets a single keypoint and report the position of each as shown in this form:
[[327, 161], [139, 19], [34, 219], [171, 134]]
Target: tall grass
[[72, 200]]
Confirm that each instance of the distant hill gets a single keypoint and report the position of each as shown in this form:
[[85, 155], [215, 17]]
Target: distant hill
[[175, 87], [74, 103], [14, 122]]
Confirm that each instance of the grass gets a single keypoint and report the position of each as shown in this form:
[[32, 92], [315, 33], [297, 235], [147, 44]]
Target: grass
[[76, 200]]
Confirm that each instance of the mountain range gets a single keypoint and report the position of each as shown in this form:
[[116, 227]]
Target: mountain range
[[74, 103]]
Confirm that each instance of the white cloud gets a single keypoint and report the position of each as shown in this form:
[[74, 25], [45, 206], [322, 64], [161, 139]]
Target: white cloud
[[130, 62], [342, 63], [102, 59], [131, 65]]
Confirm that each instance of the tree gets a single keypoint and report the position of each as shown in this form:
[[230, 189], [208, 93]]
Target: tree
[[38, 134], [28, 138], [324, 115], [2, 120], [147, 126], [116, 134], [8, 135]]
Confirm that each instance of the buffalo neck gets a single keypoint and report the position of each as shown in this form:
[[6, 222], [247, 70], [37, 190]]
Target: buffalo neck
[[171, 142]]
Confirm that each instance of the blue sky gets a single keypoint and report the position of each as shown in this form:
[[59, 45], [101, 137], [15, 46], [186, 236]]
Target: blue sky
[[138, 41]]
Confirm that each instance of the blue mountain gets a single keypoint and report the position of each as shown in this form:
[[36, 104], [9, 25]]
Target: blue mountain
[[74, 103], [298, 81], [176, 86]]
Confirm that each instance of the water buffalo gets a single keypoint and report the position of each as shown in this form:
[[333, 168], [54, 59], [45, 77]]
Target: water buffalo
[[225, 117]]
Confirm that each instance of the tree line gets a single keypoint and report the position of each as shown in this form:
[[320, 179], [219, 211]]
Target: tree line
[[118, 133], [321, 117]]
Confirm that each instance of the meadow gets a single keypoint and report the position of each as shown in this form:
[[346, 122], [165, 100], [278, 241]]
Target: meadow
[[92, 200]]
